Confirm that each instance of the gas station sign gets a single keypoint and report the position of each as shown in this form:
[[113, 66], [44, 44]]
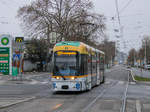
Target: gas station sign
[[5, 54], [4, 60]]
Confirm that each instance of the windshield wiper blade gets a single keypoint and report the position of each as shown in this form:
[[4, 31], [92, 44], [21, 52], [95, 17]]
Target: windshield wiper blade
[[63, 77]]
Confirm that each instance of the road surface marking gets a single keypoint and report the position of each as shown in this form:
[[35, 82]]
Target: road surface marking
[[121, 82], [107, 82], [57, 106], [15, 103], [138, 106], [2, 82]]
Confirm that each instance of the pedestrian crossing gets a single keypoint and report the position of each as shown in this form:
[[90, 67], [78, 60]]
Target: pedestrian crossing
[[32, 82], [39, 82], [118, 82]]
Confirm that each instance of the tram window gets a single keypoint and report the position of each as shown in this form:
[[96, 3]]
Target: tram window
[[94, 64], [101, 63], [83, 64], [89, 64]]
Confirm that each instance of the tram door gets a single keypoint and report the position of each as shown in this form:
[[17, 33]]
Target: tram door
[[89, 78], [98, 69], [94, 72]]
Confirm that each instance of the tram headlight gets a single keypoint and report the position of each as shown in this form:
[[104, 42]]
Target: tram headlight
[[58, 78], [72, 78]]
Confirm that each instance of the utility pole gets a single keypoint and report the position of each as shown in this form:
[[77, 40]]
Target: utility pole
[[145, 59], [117, 9]]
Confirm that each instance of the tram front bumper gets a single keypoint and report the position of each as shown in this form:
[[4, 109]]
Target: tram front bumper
[[66, 86]]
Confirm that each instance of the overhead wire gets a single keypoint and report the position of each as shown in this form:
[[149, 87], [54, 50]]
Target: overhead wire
[[128, 3], [118, 16]]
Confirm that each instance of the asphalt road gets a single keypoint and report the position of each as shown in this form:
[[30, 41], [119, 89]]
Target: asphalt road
[[107, 97]]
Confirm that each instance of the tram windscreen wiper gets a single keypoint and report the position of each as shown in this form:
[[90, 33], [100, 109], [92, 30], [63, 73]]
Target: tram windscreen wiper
[[62, 76]]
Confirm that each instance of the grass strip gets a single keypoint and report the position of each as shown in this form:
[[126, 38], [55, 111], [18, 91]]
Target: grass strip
[[141, 78]]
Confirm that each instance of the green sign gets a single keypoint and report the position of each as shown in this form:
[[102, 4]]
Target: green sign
[[4, 60], [14, 71], [4, 41]]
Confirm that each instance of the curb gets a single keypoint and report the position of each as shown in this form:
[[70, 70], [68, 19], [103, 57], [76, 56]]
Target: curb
[[11, 104], [133, 76], [144, 82]]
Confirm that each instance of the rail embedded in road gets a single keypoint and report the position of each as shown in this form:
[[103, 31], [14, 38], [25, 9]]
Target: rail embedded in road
[[124, 101]]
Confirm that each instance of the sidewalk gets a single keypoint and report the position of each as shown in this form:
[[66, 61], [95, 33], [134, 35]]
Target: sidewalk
[[26, 77], [144, 73]]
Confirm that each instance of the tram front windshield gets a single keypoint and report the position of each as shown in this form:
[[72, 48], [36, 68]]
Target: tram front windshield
[[66, 63]]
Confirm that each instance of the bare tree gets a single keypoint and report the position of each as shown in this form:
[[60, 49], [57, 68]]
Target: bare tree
[[69, 19], [132, 57], [144, 51], [109, 48]]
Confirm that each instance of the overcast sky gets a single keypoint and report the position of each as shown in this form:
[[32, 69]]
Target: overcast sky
[[135, 19]]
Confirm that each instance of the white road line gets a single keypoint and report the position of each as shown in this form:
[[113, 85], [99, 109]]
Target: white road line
[[33, 82], [107, 82], [121, 82], [138, 106], [132, 76], [21, 101], [2, 82]]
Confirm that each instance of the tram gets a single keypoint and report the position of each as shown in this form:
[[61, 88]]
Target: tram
[[76, 67]]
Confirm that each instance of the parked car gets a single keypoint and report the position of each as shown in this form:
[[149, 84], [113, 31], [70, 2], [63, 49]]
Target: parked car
[[147, 67]]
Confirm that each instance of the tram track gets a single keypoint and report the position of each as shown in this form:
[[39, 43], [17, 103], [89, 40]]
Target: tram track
[[124, 99], [109, 96], [98, 97], [89, 100]]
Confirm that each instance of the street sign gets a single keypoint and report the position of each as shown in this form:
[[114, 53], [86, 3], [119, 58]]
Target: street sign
[[19, 39], [16, 56]]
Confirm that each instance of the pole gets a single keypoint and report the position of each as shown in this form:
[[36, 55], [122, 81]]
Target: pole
[[117, 9], [21, 59], [145, 54]]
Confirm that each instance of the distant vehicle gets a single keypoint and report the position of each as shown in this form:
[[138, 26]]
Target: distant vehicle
[[147, 67], [77, 67]]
